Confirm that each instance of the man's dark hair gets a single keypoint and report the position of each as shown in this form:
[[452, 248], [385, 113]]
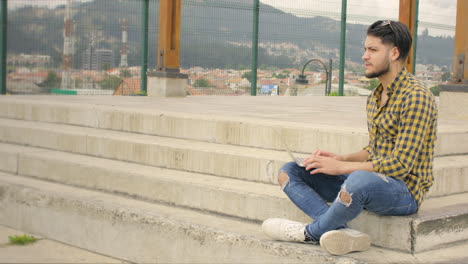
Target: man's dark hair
[[393, 32]]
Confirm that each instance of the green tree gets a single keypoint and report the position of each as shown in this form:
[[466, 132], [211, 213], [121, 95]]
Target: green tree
[[435, 90], [110, 82], [106, 67], [446, 76], [280, 76], [334, 93], [248, 76], [52, 81], [241, 67], [202, 82], [373, 83], [125, 73]]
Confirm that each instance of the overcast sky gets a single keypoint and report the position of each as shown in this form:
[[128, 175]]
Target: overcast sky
[[437, 15]]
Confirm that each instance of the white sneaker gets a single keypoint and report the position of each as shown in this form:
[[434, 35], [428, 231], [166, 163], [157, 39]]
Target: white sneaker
[[284, 230], [343, 241]]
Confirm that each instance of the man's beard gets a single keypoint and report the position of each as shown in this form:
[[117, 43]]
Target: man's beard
[[379, 73]]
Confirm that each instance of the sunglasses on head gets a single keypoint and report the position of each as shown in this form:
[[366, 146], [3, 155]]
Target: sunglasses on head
[[389, 23]]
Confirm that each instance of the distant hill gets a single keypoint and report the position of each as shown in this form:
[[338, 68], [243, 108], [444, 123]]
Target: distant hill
[[215, 34]]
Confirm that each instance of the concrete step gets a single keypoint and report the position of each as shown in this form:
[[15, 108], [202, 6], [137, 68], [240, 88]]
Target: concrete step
[[450, 175], [209, 158], [138, 231], [227, 196], [253, 164], [439, 222], [241, 199], [216, 128], [143, 232], [46, 251], [305, 124]]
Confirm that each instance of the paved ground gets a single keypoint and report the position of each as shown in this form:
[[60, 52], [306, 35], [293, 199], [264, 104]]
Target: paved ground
[[347, 112], [45, 251]]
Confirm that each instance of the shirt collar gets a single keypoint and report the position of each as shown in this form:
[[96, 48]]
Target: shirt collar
[[398, 79], [395, 84]]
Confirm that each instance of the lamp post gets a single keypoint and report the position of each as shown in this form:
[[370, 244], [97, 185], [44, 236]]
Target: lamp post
[[302, 80], [3, 45]]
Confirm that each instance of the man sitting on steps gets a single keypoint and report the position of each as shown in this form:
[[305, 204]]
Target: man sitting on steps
[[390, 176]]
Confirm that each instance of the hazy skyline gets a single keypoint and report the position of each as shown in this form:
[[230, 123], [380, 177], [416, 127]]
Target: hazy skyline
[[438, 16]]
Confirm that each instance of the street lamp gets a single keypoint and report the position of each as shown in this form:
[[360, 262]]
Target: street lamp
[[302, 80]]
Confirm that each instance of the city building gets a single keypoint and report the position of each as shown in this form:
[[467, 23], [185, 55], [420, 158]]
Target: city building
[[97, 59]]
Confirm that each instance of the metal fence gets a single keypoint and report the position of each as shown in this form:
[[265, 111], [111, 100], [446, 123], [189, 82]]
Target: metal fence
[[94, 47]]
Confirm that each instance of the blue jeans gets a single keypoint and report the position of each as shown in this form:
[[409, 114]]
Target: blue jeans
[[374, 192]]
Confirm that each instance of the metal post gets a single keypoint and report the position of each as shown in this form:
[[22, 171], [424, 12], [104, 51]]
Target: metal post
[[415, 34], [144, 46], [256, 14], [460, 56], [3, 45], [342, 46], [329, 77]]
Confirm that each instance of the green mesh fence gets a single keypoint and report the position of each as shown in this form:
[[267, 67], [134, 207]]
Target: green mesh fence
[[74, 47], [216, 46]]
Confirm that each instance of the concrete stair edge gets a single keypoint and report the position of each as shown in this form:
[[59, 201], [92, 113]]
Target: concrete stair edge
[[141, 232], [254, 201], [243, 131], [239, 162]]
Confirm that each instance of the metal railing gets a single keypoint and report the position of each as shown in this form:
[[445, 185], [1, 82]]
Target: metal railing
[[228, 47]]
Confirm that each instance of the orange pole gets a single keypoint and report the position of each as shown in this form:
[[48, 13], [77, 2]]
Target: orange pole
[[169, 35], [407, 17], [460, 60]]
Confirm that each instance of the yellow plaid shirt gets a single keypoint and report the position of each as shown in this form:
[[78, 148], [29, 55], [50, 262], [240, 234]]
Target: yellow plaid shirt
[[402, 133]]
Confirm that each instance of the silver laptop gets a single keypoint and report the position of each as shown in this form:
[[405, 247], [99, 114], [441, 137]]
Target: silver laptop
[[299, 161]]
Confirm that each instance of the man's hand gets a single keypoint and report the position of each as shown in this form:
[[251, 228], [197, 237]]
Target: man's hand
[[324, 153], [324, 162], [327, 164], [332, 164]]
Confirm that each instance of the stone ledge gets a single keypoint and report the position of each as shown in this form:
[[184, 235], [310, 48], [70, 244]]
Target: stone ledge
[[454, 87]]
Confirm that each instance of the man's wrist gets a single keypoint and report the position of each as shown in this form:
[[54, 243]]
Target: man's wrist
[[342, 158], [350, 166]]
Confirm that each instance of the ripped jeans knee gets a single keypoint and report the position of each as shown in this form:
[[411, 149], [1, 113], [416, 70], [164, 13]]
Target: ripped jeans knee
[[289, 169], [344, 197], [283, 179]]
